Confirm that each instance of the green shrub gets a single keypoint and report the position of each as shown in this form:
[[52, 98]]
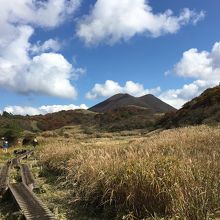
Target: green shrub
[[11, 131]]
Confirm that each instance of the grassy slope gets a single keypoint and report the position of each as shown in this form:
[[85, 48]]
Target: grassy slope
[[204, 109], [173, 174]]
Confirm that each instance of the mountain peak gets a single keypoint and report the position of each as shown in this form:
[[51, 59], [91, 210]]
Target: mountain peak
[[148, 101], [147, 95], [119, 96]]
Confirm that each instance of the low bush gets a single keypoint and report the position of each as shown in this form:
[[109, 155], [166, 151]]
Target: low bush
[[28, 139]]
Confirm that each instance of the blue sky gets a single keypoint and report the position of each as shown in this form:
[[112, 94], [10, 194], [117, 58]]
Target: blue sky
[[67, 54]]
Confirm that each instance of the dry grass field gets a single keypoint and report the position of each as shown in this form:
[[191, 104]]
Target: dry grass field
[[171, 175]]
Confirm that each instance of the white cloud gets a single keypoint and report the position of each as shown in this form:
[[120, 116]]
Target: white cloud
[[44, 73], [178, 97], [203, 66], [48, 73], [194, 64], [28, 110], [48, 13], [49, 45], [18, 110], [110, 88], [115, 20]]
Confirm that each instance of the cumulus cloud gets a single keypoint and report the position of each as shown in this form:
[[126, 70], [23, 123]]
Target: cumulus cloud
[[48, 73], [48, 13], [111, 87], [45, 109], [178, 97], [202, 66], [27, 68], [49, 45], [115, 20]]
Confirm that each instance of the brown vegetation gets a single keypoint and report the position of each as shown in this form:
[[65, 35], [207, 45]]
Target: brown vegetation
[[126, 118], [204, 109], [173, 174]]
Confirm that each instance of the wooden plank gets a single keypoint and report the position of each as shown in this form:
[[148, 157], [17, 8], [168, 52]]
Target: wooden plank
[[29, 204]]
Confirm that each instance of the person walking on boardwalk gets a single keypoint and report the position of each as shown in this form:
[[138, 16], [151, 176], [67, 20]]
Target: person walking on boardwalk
[[5, 146]]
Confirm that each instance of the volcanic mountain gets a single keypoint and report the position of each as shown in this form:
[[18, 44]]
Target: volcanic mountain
[[124, 100], [204, 109]]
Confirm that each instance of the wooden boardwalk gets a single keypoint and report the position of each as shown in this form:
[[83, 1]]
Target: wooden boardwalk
[[27, 177], [4, 179], [29, 204]]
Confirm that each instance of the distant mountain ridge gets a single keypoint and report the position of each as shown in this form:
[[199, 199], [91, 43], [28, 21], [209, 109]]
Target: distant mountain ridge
[[121, 112], [122, 100], [124, 112]]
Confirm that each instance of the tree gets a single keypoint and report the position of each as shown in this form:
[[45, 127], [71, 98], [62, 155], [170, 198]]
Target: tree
[[6, 114]]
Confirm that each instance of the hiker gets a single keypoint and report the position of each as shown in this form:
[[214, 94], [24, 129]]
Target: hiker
[[5, 146], [35, 142]]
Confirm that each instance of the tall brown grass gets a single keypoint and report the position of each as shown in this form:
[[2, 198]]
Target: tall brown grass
[[174, 174]]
